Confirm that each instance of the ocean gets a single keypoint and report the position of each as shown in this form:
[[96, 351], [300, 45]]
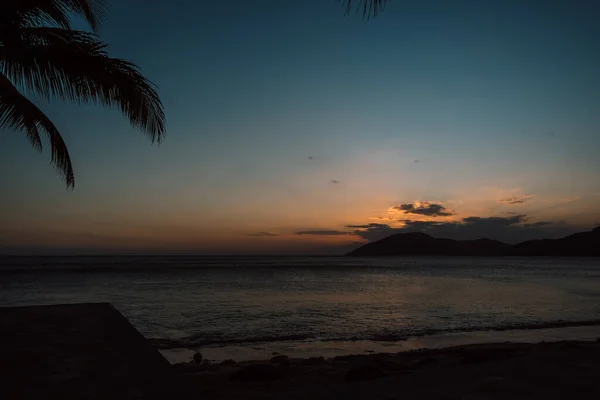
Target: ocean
[[248, 307]]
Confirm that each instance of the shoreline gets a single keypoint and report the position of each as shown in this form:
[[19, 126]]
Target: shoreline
[[305, 349], [548, 370], [200, 341]]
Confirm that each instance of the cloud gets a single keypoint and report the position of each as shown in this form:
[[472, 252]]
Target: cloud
[[369, 232], [373, 231], [333, 181], [538, 224], [515, 199], [424, 208], [263, 234], [504, 221], [368, 226], [324, 232], [568, 199], [423, 225], [417, 161]]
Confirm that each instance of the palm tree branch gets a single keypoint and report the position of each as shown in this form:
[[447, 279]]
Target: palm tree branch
[[53, 12], [74, 66], [369, 8], [17, 112]]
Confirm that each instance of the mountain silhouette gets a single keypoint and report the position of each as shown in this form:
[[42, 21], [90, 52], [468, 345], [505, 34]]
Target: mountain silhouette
[[578, 244], [417, 243]]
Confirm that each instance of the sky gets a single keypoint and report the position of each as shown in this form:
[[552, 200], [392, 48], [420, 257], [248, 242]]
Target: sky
[[295, 129]]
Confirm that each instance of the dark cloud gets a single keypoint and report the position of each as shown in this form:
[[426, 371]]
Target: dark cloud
[[425, 208], [373, 231], [324, 233], [263, 234], [423, 225], [515, 200], [538, 224], [512, 200], [368, 226], [494, 221], [333, 181], [511, 229]]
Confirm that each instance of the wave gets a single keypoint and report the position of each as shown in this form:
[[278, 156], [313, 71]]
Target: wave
[[208, 341], [199, 341]]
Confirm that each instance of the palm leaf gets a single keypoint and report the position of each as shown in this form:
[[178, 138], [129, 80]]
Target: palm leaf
[[52, 12], [74, 66], [369, 8], [17, 112]]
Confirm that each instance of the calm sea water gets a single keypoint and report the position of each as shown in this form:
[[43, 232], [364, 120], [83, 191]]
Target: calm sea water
[[211, 301]]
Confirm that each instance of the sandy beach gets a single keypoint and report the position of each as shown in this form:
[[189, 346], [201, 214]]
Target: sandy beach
[[557, 370], [92, 351]]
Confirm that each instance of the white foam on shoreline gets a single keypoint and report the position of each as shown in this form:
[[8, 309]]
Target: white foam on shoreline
[[305, 349]]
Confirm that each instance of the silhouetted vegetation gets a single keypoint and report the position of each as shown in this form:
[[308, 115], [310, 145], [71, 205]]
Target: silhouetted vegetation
[[368, 8], [41, 53]]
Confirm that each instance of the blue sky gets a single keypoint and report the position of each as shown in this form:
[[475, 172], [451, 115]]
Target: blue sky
[[269, 103]]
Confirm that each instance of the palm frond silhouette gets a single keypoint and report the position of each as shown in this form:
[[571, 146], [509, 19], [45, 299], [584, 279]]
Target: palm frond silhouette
[[41, 53]]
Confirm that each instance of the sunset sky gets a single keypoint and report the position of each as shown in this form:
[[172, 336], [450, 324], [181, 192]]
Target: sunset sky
[[295, 129]]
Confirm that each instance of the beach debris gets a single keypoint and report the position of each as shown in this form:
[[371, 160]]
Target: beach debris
[[363, 373], [313, 361], [281, 360], [278, 358], [274, 353], [229, 361], [351, 357], [285, 363], [198, 357], [257, 373]]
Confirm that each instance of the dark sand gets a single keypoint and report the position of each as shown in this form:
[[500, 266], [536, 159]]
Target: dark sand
[[560, 370]]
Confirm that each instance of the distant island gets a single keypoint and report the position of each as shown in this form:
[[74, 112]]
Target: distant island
[[417, 243]]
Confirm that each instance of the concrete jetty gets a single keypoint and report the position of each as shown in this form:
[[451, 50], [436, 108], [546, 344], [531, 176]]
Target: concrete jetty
[[78, 351]]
